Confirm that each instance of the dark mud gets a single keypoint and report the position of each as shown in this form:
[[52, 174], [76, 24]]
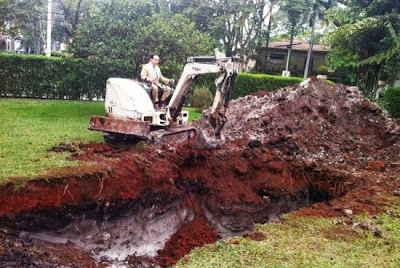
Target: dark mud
[[144, 206]]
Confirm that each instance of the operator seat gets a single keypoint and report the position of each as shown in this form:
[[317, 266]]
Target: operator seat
[[148, 88]]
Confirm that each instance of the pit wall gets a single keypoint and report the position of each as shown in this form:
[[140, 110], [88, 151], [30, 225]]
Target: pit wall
[[219, 194], [250, 178]]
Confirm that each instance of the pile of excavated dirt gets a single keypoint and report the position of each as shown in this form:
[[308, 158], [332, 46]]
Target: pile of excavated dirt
[[315, 147], [330, 124]]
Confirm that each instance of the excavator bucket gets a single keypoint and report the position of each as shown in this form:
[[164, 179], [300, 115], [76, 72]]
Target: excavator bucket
[[209, 134], [205, 137], [173, 135]]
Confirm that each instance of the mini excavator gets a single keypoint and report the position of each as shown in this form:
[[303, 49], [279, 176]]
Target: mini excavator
[[129, 111]]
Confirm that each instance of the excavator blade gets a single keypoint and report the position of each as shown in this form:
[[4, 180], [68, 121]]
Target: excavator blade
[[120, 126], [126, 130]]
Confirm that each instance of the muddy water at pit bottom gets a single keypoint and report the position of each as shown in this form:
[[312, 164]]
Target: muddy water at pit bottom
[[138, 233], [143, 231]]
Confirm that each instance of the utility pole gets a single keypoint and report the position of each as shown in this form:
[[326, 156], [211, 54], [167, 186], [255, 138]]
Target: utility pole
[[310, 48], [48, 46], [289, 55], [271, 5], [169, 6]]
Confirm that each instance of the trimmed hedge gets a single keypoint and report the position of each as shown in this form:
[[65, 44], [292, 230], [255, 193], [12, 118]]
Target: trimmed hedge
[[392, 101], [49, 77], [60, 78], [248, 83]]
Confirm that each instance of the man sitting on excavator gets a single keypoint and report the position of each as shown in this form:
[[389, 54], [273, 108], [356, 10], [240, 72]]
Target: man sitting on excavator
[[151, 73]]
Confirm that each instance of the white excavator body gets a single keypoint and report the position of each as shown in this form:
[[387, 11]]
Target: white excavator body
[[129, 110], [126, 99]]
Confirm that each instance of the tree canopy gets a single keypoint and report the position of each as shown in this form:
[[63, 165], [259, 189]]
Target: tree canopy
[[365, 44], [236, 26], [129, 31], [367, 40]]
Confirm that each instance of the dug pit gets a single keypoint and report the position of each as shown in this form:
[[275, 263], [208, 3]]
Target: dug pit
[[130, 216], [323, 148]]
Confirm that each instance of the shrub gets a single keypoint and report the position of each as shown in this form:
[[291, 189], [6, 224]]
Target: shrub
[[56, 54], [50, 77], [392, 101], [58, 78], [322, 70], [248, 83], [202, 98]]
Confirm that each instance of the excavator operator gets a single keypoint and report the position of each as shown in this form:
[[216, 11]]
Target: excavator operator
[[151, 73]]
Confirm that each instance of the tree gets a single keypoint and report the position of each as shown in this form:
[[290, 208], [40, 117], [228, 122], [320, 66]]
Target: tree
[[108, 33], [174, 38], [367, 40], [27, 20], [236, 24], [73, 12], [127, 32], [298, 13], [201, 12], [12, 10], [319, 9], [17, 14]]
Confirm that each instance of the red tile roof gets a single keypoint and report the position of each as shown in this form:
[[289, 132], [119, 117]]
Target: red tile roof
[[297, 45]]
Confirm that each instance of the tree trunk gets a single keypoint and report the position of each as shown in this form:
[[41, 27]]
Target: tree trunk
[[309, 53], [12, 44], [269, 23], [3, 44], [260, 21], [228, 50], [290, 47]]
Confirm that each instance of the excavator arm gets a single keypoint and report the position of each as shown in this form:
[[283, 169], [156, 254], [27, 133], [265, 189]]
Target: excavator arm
[[225, 83]]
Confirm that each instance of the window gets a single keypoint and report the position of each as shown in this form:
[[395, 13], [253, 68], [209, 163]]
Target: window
[[277, 58]]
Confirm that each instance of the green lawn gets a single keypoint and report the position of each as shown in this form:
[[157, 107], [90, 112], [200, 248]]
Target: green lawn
[[31, 127], [307, 242], [194, 113]]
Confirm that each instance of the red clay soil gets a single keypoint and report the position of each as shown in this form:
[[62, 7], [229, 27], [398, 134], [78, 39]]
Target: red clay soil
[[196, 233], [255, 236], [325, 139]]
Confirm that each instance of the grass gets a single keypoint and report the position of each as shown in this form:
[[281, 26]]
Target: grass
[[307, 242], [194, 113], [31, 127]]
